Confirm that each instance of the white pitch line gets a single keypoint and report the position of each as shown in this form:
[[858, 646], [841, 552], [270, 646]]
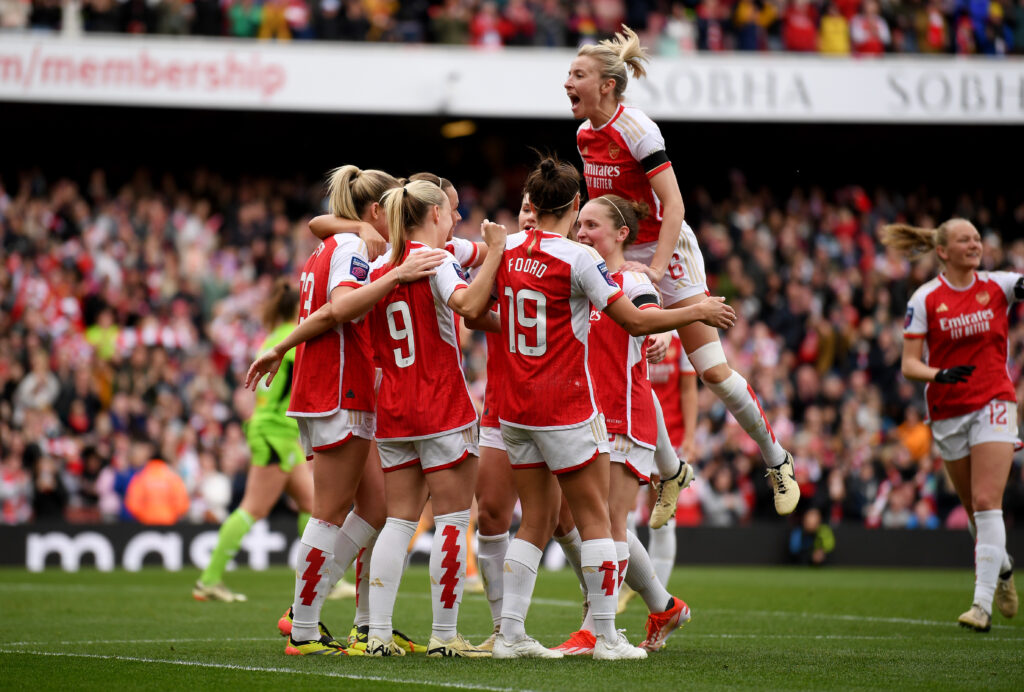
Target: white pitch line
[[261, 669], [72, 642], [848, 618]]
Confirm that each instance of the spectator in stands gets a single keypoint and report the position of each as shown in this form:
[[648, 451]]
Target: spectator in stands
[[711, 28], [50, 497], [40, 388], [800, 27], [489, 28], [745, 16], [721, 502], [156, 495], [834, 36], [273, 24], [244, 18], [14, 14], [932, 28], [812, 541], [207, 18], [869, 32]]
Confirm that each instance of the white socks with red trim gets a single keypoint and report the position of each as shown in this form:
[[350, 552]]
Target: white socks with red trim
[[521, 564], [313, 568], [662, 549], [363, 584], [354, 535], [448, 571], [600, 572], [973, 530], [386, 568], [989, 553], [490, 556], [642, 579], [739, 398]]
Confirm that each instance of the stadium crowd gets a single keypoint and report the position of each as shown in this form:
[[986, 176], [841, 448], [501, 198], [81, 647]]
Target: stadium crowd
[[129, 313], [838, 27]]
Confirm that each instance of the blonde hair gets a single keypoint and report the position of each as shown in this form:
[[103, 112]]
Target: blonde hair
[[406, 207], [616, 54], [914, 241], [350, 190]]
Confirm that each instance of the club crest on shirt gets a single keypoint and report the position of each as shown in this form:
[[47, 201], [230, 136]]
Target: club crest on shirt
[[613, 150], [982, 297], [942, 308], [359, 269], [603, 268], [586, 151], [909, 318]]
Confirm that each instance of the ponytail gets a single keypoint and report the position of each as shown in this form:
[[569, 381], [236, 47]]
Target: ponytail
[[615, 55], [350, 190], [914, 241], [553, 186], [406, 207]]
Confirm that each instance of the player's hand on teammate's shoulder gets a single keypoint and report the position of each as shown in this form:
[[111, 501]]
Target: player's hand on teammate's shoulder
[[267, 364], [631, 266], [717, 313], [419, 265], [375, 244], [494, 234]]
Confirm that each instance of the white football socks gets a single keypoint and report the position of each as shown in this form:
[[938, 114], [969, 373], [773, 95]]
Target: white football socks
[[642, 579], [386, 573], [662, 550], [520, 575], [448, 571], [665, 457], [571, 546], [363, 584], [989, 553], [600, 572], [313, 569], [739, 398], [973, 530], [355, 533], [490, 557]]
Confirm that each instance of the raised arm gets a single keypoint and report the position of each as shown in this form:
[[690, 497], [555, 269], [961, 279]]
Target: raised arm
[[473, 301], [326, 225], [666, 187], [713, 311]]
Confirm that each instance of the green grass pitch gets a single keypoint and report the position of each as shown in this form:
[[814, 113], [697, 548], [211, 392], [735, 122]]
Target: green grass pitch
[[767, 628]]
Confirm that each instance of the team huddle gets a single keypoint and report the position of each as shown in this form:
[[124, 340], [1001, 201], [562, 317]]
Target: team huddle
[[570, 425]]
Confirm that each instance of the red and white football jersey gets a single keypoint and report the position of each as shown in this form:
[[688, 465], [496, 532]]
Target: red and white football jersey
[[334, 370], [422, 391], [621, 157], [465, 251], [495, 379], [618, 362], [546, 285], [667, 380], [967, 326]]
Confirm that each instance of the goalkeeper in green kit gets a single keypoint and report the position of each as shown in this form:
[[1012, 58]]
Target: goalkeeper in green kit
[[278, 460]]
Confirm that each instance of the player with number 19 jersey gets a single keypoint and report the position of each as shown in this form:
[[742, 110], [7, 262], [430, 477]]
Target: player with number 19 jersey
[[334, 370], [423, 390], [546, 285]]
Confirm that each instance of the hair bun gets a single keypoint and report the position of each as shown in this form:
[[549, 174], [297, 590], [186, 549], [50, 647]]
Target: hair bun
[[548, 168]]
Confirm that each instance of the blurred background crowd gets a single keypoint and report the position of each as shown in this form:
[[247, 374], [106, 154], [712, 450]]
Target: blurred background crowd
[[841, 27], [129, 311]]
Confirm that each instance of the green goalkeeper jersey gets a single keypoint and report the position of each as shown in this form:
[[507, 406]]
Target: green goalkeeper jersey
[[270, 417]]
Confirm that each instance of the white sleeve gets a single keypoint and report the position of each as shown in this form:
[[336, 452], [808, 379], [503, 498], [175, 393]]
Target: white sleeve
[[447, 280], [1007, 281], [349, 265], [639, 289], [590, 277], [916, 321], [641, 134], [464, 251]]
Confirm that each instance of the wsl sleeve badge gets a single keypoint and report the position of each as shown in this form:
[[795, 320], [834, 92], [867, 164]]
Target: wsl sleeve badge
[[909, 318], [359, 269], [603, 268], [461, 272]]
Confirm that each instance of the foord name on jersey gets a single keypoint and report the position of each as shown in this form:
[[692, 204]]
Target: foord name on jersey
[[527, 265]]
